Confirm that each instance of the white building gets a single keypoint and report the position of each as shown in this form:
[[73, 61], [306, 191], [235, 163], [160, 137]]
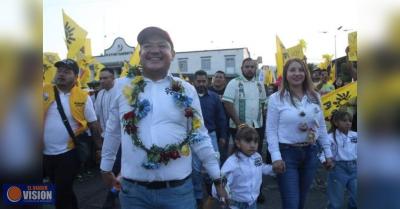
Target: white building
[[116, 54], [226, 60]]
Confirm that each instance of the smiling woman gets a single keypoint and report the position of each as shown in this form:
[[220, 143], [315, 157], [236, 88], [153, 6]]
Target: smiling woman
[[295, 123]]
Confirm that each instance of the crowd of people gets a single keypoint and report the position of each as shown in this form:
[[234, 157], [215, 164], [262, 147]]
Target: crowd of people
[[163, 142]]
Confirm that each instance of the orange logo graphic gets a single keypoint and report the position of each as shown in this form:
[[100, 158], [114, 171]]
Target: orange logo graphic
[[14, 194]]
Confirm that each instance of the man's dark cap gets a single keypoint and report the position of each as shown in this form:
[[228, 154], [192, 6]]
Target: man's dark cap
[[153, 31], [69, 64]]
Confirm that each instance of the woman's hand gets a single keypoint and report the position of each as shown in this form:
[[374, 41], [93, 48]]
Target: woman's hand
[[329, 164], [279, 166]]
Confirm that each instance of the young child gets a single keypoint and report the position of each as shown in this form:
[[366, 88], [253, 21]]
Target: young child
[[344, 149], [244, 169]]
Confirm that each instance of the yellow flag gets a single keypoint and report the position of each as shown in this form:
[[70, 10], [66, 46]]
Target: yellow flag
[[281, 56], [338, 98], [87, 48], [49, 59], [125, 70], [97, 66], [75, 35], [135, 58], [84, 77], [352, 38], [296, 51], [268, 77], [327, 58], [333, 74]]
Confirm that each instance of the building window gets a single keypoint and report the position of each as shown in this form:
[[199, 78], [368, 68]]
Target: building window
[[230, 63], [183, 64], [206, 63]]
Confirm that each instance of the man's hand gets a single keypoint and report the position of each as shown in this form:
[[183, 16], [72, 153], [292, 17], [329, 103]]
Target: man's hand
[[329, 164], [223, 195], [279, 166], [110, 180]]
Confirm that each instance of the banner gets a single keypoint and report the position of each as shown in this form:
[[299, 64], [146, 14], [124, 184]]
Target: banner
[[338, 98], [352, 38]]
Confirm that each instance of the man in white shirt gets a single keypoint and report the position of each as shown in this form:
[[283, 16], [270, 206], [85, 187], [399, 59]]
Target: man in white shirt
[[104, 97], [102, 106], [244, 99], [60, 159], [155, 117]]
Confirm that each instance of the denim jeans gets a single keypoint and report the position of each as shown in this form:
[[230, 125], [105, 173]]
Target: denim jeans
[[294, 183], [241, 205], [198, 179], [342, 177], [133, 196]]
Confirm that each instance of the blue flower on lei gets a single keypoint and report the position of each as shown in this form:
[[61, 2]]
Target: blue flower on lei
[[180, 98], [143, 108]]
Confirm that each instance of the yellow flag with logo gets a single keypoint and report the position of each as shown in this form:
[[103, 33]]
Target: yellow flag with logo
[[75, 35], [338, 98], [135, 58], [49, 70], [352, 38]]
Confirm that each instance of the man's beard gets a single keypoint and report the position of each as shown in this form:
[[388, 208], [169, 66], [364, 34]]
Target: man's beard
[[201, 90], [248, 77]]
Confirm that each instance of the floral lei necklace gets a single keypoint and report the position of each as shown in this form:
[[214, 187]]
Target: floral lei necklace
[[156, 154]]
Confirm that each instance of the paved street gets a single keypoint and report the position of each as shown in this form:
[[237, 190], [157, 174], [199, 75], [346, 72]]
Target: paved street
[[91, 193]]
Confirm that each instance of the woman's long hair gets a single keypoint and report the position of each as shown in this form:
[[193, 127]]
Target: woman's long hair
[[308, 86]]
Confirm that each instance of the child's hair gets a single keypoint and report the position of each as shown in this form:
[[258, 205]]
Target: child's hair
[[338, 115], [247, 134]]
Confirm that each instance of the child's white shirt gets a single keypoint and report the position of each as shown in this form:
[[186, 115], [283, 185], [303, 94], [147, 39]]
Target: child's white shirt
[[344, 148], [244, 176]]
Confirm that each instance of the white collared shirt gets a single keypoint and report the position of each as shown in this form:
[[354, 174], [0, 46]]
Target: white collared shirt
[[244, 175], [284, 119], [345, 146], [56, 136], [252, 96], [102, 106], [164, 124]]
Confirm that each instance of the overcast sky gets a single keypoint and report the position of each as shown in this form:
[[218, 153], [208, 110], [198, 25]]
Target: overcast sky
[[208, 24]]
